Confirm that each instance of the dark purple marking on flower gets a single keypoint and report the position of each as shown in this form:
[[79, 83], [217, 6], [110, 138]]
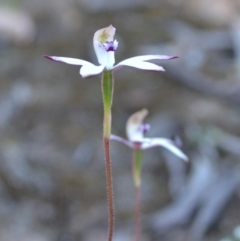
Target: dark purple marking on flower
[[144, 128], [110, 45], [48, 57]]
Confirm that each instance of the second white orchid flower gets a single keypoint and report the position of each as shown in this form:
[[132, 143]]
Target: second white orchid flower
[[135, 132], [105, 45]]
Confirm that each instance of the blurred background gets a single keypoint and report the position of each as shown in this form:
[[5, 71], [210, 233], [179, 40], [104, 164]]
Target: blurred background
[[52, 173]]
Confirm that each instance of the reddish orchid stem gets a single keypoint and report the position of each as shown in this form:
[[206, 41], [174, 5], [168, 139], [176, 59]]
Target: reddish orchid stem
[[137, 214], [109, 188]]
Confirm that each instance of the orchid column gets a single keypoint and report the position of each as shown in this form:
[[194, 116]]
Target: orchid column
[[105, 46]]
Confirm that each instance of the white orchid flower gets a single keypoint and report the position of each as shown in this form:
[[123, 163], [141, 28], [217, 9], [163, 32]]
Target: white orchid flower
[[105, 45], [135, 132]]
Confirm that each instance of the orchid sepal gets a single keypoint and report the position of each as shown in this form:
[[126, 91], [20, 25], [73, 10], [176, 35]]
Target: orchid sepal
[[88, 69], [148, 143], [101, 40], [134, 126], [140, 62], [67, 60], [122, 140], [163, 142]]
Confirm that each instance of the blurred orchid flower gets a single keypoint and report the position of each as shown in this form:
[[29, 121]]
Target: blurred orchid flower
[[135, 132], [105, 45]]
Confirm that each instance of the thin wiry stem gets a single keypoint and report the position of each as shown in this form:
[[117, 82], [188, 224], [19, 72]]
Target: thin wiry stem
[[137, 214], [137, 165], [109, 188]]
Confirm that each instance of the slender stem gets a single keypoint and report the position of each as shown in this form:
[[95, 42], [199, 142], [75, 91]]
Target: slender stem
[[137, 214], [137, 165], [109, 189], [107, 92]]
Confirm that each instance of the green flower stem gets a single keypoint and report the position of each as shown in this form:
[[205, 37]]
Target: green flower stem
[[107, 93], [137, 165]]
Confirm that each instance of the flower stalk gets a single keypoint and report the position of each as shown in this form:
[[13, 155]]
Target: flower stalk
[[107, 94], [137, 166]]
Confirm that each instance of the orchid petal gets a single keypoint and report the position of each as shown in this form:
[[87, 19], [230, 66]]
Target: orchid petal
[[122, 140], [134, 124], [140, 65], [151, 57], [66, 60], [166, 143], [139, 59], [102, 36], [89, 69]]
